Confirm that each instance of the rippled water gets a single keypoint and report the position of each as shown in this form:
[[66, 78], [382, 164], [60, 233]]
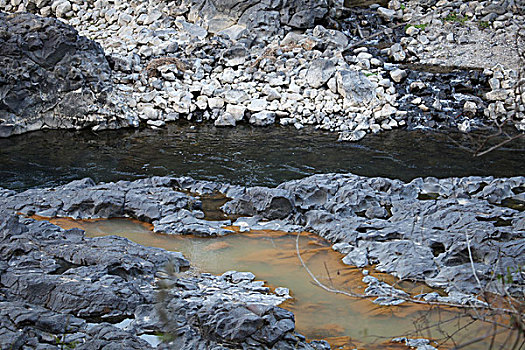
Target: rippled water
[[271, 256], [242, 155]]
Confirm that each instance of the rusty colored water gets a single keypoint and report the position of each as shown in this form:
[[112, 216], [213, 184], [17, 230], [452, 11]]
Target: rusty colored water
[[345, 322]]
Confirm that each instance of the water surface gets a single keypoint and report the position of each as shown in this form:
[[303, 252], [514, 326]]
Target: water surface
[[271, 256], [242, 155]]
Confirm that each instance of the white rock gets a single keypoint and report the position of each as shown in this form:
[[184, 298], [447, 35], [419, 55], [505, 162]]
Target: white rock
[[386, 13], [494, 83], [263, 118], [236, 110], [235, 96], [215, 102], [387, 110], [352, 135], [497, 95], [147, 112], [62, 8], [412, 31], [375, 128], [257, 105], [416, 101], [202, 102], [465, 126], [225, 119], [156, 123], [398, 75], [234, 32]]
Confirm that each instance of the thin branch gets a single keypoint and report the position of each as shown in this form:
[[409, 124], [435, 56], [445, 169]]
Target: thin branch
[[478, 339], [472, 261]]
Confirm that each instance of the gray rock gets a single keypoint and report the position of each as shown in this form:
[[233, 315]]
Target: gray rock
[[54, 78], [356, 257], [386, 14], [352, 135], [234, 56], [235, 96], [258, 16], [355, 87], [319, 72], [398, 75], [225, 119]]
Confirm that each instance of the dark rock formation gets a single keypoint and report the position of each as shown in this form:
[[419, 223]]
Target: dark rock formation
[[421, 230], [50, 77], [59, 288]]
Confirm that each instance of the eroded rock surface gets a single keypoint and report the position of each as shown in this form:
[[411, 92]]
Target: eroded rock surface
[[426, 230], [59, 288], [50, 77]]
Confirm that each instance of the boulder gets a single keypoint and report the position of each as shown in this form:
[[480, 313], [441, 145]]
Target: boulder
[[319, 72], [53, 78], [259, 16], [355, 87]]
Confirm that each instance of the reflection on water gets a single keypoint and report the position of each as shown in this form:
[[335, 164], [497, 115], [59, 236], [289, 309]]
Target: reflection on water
[[242, 155], [271, 255]]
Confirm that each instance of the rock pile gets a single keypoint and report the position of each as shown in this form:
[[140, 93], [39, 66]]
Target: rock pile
[[285, 62]]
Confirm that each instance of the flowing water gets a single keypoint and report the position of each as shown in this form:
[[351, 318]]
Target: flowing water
[[242, 155], [271, 256]]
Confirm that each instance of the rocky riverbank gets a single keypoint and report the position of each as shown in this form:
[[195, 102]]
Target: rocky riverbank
[[341, 68], [430, 230], [60, 289]]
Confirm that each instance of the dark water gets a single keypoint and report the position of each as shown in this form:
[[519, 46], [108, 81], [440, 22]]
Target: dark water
[[242, 155]]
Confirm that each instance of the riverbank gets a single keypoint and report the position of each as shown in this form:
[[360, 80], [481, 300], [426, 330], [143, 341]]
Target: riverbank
[[370, 220], [262, 64]]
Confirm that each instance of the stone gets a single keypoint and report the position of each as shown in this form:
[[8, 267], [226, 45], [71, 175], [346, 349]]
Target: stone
[[319, 72], [257, 105], [470, 107], [497, 95], [397, 53], [398, 75], [156, 123], [193, 30], [263, 118], [225, 119], [357, 257], [215, 102], [62, 9], [55, 79], [235, 96], [352, 136], [237, 111], [386, 14], [355, 87], [234, 32], [234, 56]]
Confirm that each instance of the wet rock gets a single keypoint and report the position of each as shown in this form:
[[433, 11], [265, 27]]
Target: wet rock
[[269, 203], [225, 119], [356, 257]]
